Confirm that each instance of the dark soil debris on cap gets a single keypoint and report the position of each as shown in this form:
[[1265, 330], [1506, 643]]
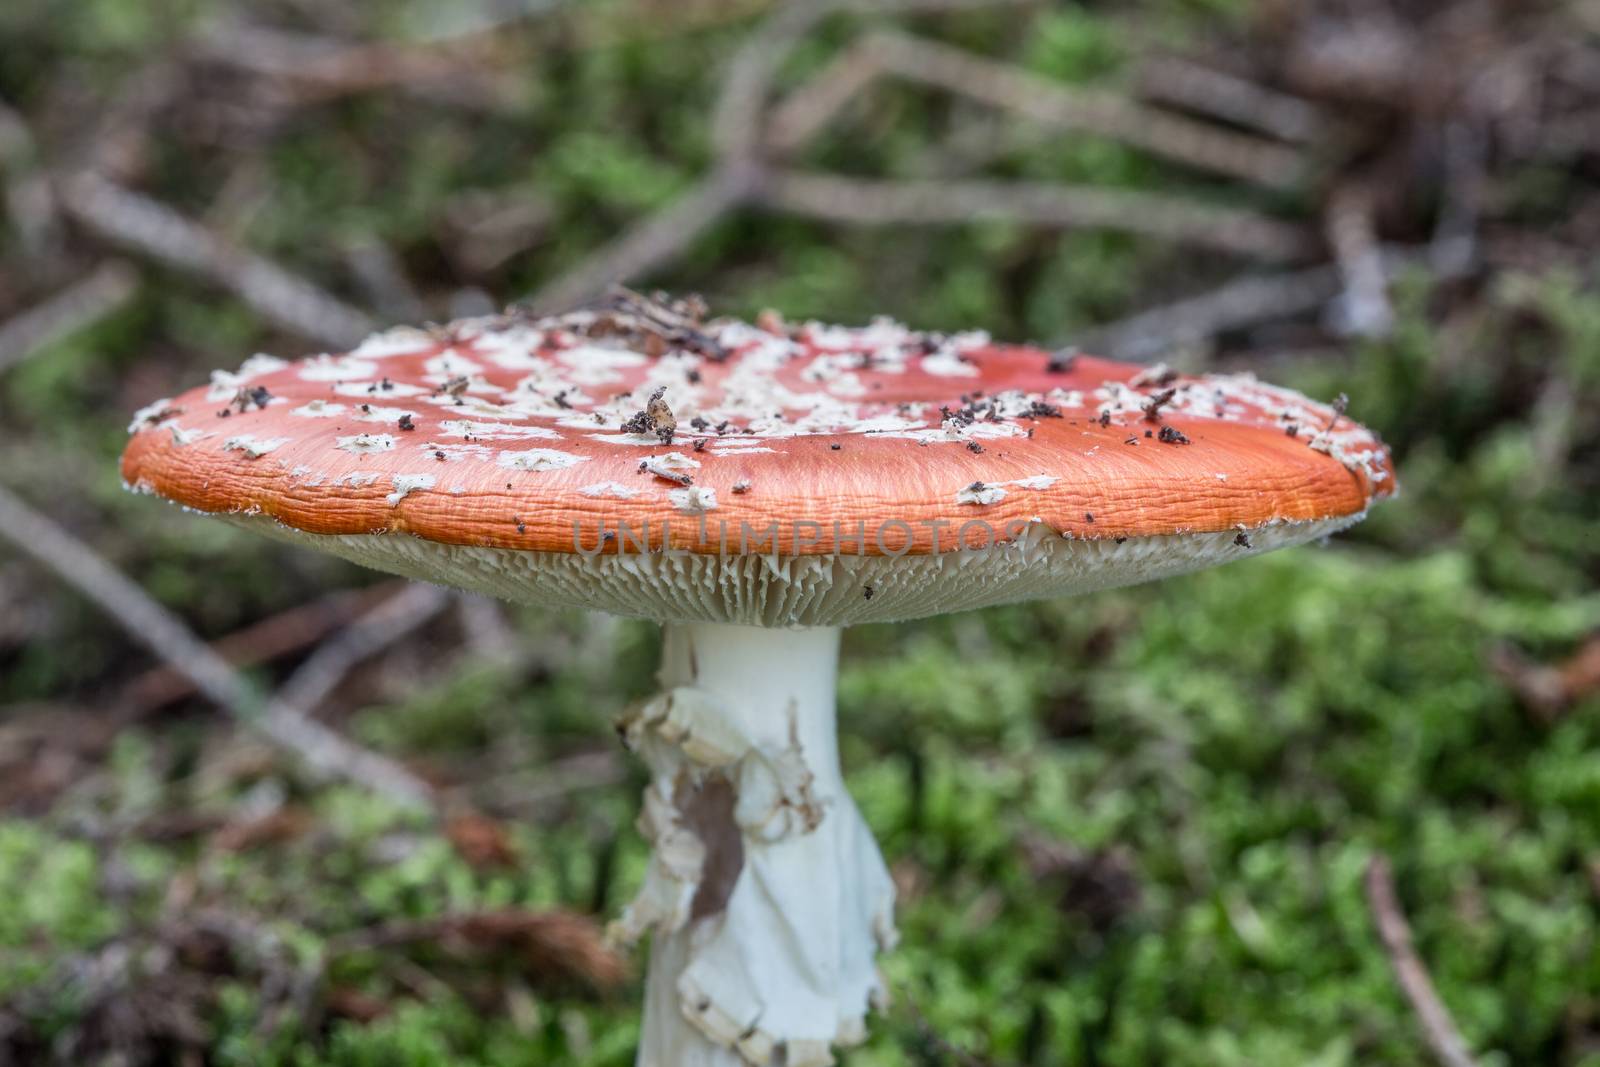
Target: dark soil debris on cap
[[249, 396], [1153, 406], [655, 417]]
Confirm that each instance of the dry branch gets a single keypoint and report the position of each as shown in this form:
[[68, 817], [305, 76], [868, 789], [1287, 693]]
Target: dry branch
[[1105, 114], [651, 243], [1352, 233], [377, 629], [322, 751], [108, 288], [737, 119], [1245, 302], [1455, 238], [383, 282], [865, 201], [1570, 135], [1242, 302], [1438, 1028], [533, 794], [483, 621], [457, 69], [1185, 84], [136, 222], [28, 201], [119, 139], [1549, 689], [260, 642], [798, 117], [740, 176]]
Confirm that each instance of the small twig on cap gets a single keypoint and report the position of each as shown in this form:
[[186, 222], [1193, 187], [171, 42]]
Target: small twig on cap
[[323, 751], [77, 307], [134, 221], [1446, 1042]]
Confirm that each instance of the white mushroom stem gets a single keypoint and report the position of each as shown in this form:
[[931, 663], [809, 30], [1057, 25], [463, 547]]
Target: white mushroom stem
[[766, 895]]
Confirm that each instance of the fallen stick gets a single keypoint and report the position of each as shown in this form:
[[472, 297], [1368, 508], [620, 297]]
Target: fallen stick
[[77, 307], [1200, 89], [1106, 114], [737, 117], [859, 200], [1242, 302], [1352, 233], [652, 243], [324, 752], [24, 191], [136, 222], [390, 621], [460, 70], [1438, 1028], [262, 641], [798, 117]]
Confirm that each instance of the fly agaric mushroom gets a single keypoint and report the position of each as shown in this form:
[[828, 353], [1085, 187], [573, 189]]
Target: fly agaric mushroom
[[753, 488]]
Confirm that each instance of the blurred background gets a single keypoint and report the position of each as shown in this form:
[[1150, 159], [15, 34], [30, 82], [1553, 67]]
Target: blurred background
[[1175, 824]]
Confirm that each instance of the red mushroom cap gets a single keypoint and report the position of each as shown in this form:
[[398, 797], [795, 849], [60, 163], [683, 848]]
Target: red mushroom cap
[[640, 426]]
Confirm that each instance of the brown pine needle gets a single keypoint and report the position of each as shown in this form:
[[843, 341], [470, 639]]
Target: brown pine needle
[[1446, 1042]]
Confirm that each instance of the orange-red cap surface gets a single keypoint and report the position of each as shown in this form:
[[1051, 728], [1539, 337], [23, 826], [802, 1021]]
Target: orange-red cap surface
[[540, 434]]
